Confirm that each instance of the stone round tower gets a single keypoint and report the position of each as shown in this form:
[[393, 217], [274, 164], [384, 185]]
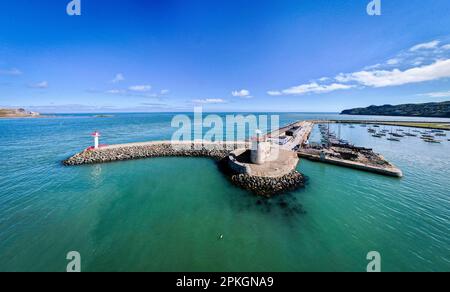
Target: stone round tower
[[260, 151]]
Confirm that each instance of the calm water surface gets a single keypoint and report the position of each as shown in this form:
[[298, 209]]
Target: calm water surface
[[167, 214]]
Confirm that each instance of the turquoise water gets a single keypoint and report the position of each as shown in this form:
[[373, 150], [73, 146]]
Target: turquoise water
[[167, 214]]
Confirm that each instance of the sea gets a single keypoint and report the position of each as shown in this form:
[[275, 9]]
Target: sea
[[182, 214]]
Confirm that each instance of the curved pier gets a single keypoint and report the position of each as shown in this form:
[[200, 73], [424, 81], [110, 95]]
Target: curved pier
[[264, 180]]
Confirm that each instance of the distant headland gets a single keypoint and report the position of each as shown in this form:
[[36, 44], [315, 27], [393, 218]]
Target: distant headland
[[432, 110], [18, 113]]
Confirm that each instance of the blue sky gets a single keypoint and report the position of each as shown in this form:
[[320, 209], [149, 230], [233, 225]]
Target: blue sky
[[224, 55]]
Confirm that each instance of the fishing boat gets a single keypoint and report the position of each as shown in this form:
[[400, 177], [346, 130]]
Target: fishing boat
[[441, 134], [377, 136], [393, 139], [371, 131]]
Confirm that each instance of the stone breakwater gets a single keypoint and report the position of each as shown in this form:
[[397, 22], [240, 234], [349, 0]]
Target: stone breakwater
[[151, 150], [259, 185], [269, 186]]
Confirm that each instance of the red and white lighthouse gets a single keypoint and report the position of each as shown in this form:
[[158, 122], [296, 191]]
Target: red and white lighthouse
[[96, 136]]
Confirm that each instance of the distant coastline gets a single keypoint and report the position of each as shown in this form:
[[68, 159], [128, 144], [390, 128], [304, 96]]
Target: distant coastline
[[424, 110], [18, 113]]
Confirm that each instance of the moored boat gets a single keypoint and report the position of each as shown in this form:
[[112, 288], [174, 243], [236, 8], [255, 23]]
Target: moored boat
[[432, 141], [410, 135]]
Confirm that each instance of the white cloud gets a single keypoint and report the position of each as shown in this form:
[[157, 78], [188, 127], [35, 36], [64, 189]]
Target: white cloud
[[40, 85], [437, 94], [393, 61], [209, 101], [274, 93], [421, 63], [119, 77], [313, 87], [383, 78], [116, 91], [12, 71], [418, 61], [376, 66], [138, 91], [425, 46], [241, 93], [140, 88]]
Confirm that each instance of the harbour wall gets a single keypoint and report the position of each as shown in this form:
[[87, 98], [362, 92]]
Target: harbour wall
[[388, 171], [135, 151]]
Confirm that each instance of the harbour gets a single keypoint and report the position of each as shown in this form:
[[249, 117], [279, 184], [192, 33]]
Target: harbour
[[265, 164], [293, 137], [438, 125], [335, 151]]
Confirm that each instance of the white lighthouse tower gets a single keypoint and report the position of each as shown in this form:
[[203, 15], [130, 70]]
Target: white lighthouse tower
[[96, 136]]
